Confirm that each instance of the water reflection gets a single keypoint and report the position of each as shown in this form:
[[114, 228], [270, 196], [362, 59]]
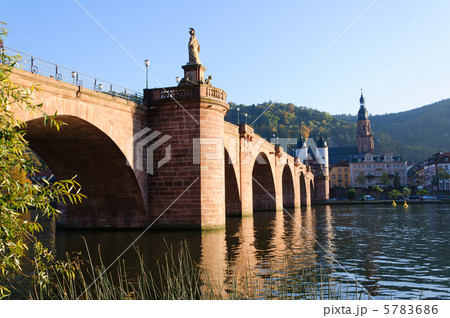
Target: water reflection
[[214, 259], [309, 234], [394, 252]]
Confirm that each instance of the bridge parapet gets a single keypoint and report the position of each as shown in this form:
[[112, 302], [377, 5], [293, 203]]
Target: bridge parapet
[[247, 132], [231, 129], [58, 73], [182, 92]]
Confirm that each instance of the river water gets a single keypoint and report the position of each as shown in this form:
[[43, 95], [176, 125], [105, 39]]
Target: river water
[[395, 252]]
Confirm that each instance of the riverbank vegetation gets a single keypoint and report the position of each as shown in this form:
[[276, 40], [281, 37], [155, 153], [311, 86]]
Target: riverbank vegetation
[[177, 277], [17, 193]]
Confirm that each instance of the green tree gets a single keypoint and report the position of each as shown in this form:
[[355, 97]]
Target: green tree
[[361, 179], [397, 180], [378, 190], [17, 193], [351, 194], [422, 192], [406, 191], [384, 179], [394, 194], [441, 175]]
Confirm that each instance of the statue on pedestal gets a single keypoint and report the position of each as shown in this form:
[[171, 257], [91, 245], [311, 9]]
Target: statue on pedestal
[[194, 48]]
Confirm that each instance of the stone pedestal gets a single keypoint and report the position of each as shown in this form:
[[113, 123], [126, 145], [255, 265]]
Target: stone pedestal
[[196, 72]]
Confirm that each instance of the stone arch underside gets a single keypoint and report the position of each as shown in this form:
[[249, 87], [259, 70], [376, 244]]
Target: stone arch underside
[[303, 190], [114, 198], [232, 197], [263, 185], [288, 187]]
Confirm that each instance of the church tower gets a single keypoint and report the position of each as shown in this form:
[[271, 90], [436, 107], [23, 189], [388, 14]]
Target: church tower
[[364, 135]]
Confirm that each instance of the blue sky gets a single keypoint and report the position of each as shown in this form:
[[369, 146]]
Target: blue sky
[[398, 51]]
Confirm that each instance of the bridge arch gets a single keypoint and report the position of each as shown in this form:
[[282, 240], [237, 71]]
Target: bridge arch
[[114, 197], [303, 189], [263, 184], [232, 193], [288, 187], [311, 189]]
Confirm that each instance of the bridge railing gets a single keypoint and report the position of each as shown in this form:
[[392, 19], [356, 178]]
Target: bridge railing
[[35, 65]]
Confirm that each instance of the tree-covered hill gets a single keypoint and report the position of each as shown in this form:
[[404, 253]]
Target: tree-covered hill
[[415, 134], [285, 121]]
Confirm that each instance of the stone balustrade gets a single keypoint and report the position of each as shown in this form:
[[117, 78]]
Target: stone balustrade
[[182, 92], [215, 93], [175, 92]]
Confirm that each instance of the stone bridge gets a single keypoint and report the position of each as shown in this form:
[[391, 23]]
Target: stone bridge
[[171, 160]]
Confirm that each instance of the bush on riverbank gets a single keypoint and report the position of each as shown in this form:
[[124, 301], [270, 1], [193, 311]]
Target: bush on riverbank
[[17, 193]]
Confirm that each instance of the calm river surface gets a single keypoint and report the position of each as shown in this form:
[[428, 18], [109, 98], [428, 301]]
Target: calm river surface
[[395, 252]]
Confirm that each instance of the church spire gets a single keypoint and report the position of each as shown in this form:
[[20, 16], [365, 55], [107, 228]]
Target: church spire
[[363, 114], [364, 135], [361, 99]]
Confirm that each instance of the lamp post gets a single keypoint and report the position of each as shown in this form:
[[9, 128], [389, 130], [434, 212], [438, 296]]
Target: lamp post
[[177, 79], [246, 115], [147, 63], [75, 77], [238, 115]]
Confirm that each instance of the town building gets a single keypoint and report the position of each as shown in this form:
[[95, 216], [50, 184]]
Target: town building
[[373, 167], [340, 175], [341, 153], [365, 167], [428, 177]]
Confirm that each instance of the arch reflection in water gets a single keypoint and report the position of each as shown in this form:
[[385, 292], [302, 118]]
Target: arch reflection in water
[[329, 232], [244, 256]]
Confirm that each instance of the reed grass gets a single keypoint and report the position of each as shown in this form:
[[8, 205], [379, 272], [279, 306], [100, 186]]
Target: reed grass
[[178, 277]]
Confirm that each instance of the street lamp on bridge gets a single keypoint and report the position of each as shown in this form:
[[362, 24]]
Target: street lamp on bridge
[[147, 63], [75, 77]]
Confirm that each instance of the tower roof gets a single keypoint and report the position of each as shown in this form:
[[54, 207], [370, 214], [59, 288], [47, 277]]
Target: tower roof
[[363, 114], [321, 143], [300, 142], [361, 99]]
